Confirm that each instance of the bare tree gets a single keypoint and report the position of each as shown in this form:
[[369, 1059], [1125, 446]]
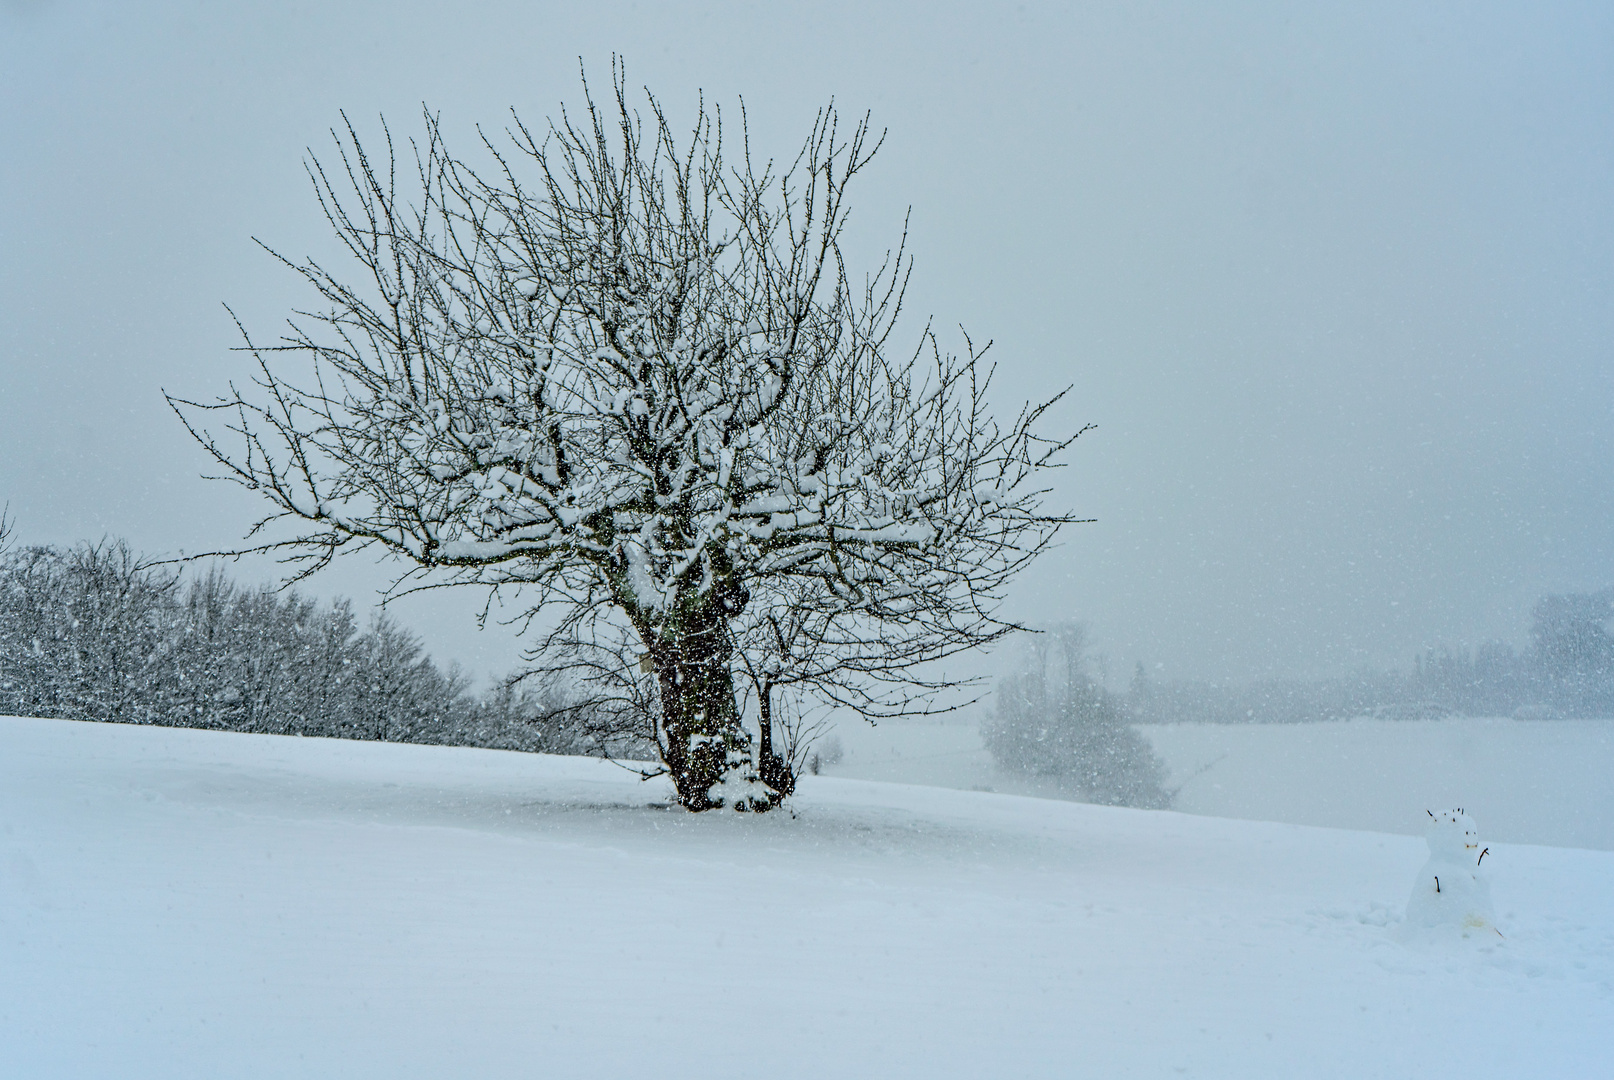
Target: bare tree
[[611, 369]]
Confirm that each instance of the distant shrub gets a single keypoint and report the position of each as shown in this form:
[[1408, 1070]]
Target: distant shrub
[[827, 753], [1052, 718]]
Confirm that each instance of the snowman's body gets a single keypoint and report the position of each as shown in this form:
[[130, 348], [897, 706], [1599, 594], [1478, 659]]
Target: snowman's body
[[1451, 889]]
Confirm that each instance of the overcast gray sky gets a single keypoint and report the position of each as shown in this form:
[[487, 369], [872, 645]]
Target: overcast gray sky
[[1335, 282]]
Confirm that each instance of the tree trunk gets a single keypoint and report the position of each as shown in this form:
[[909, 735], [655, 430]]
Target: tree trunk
[[703, 743], [775, 772]]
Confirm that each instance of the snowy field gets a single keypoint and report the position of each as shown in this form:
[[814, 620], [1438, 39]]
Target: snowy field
[[1538, 782], [1535, 782], [192, 904]]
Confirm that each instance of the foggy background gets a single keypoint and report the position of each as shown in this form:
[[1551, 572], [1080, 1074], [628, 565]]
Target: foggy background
[[1335, 285]]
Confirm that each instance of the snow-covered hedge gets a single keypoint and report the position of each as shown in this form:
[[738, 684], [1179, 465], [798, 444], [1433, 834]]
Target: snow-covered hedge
[[95, 633]]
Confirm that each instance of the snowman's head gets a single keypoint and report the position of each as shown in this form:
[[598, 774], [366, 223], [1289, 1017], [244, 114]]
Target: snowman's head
[[1452, 835]]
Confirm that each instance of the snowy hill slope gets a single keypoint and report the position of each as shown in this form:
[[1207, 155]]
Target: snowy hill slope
[[192, 904]]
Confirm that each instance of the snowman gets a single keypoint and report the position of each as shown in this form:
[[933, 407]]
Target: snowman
[[1451, 890]]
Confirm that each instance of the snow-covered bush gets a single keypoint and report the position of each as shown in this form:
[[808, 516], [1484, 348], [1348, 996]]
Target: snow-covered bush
[[830, 753], [1052, 718], [83, 632], [94, 632]]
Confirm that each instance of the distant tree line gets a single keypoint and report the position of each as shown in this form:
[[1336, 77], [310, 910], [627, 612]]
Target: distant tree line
[[1053, 717], [94, 633], [1567, 672]]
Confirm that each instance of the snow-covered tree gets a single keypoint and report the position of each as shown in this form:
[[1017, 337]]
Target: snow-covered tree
[[1574, 652], [82, 633], [1051, 717], [622, 373]]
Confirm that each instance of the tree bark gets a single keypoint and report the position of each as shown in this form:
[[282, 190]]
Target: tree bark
[[703, 742], [775, 772]]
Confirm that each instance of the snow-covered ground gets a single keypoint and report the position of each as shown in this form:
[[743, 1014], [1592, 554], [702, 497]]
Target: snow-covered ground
[[191, 904], [1536, 782]]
